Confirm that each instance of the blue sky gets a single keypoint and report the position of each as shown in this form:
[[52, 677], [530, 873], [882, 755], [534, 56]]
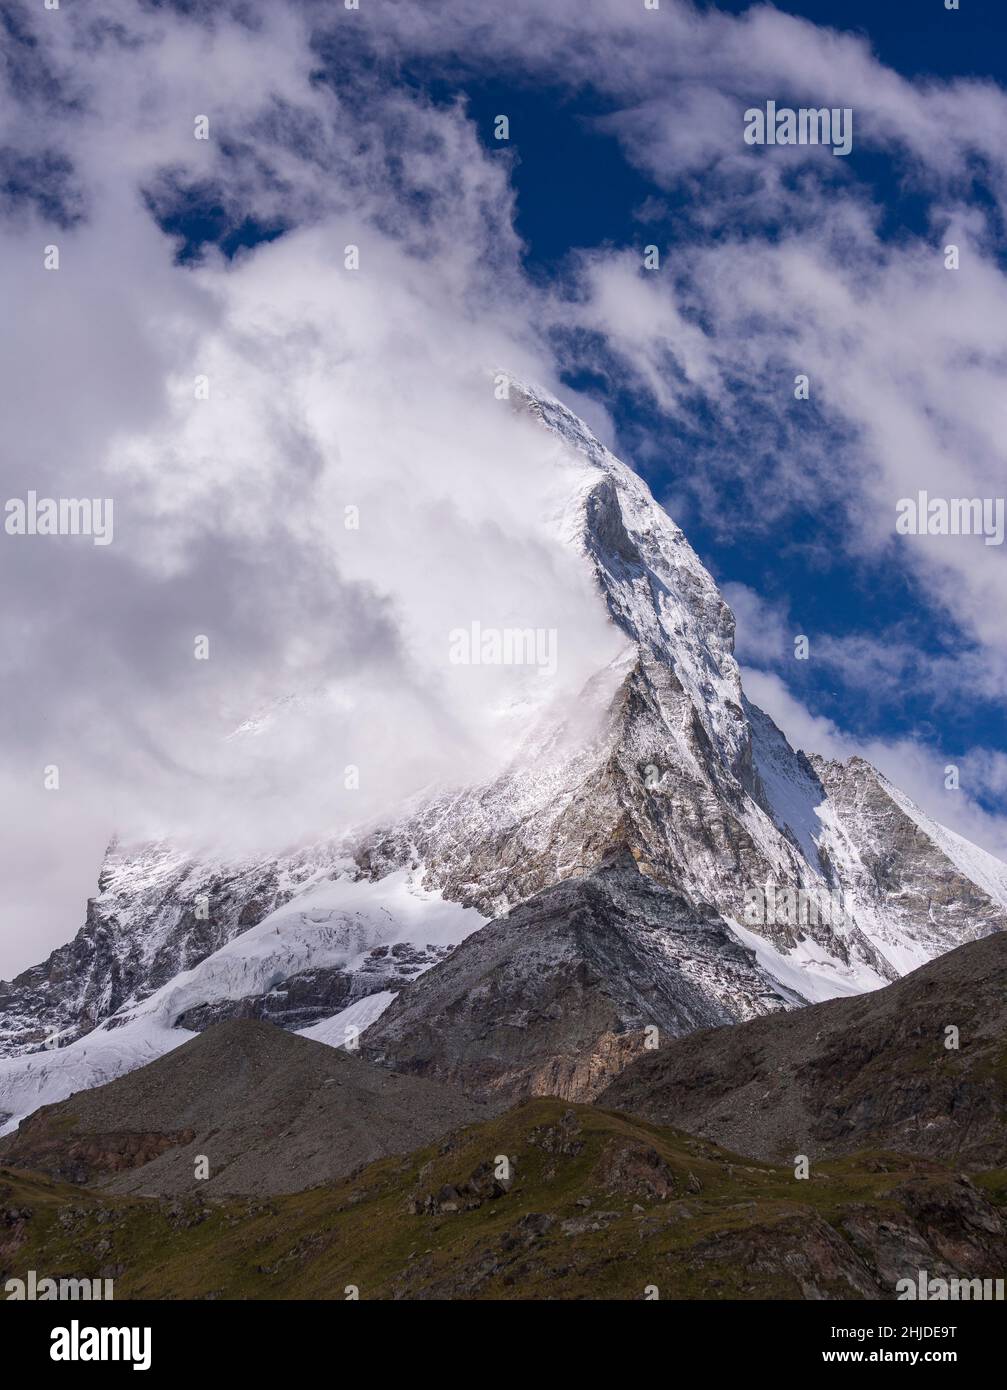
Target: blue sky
[[376, 127], [915, 39]]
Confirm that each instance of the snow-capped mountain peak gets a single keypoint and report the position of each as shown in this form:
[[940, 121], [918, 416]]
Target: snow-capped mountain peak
[[795, 878]]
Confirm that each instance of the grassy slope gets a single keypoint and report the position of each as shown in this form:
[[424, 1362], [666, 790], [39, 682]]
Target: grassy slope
[[711, 1234]]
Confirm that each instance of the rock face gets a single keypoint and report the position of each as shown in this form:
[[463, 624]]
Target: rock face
[[319, 993], [269, 1111], [559, 995], [146, 925], [875, 1072], [918, 885], [662, 756]]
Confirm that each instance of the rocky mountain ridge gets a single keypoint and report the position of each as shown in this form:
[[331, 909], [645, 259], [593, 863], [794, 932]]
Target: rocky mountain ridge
[[919, 1067]]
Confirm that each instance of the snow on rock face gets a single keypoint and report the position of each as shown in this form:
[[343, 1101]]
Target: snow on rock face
[[919, 889], [334, 925], [661, 756], [343, 1029], [655, 585], [147, 923]]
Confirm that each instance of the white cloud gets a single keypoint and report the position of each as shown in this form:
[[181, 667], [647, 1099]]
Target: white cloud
[[329, 389]]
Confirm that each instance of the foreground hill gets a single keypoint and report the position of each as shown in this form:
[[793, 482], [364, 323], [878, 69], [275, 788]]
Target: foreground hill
[[271, 1112], [872, 1071], [596, 1205]]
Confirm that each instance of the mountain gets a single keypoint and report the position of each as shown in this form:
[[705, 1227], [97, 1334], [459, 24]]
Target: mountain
[[271, 1112], [560, 994], [591, 1205], [661, 757], [871, 1072]]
